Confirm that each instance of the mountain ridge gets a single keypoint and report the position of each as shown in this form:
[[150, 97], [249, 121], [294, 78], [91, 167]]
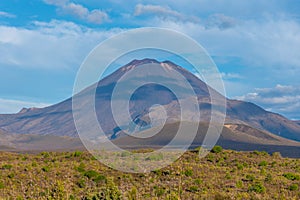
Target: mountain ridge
[[57, 119]]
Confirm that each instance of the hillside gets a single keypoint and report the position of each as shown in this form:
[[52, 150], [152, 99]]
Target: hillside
[[220, 175], [234, 136]]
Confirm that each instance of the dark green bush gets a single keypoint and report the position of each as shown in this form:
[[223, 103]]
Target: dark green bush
[[188, 172], [263, 163], [81, 183], [257, 187], [110, 192], [250, 177], [291, 176], [11, 175], [45, 154], [91, 174], [46, 169], [81, 168], [77, 153], [193, 188], [159, 191], [294, 187], [217, 149], [6, 166], [99, 178], [239, 166]]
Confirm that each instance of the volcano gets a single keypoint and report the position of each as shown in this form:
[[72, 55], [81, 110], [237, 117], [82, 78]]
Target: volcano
[[241, 117]]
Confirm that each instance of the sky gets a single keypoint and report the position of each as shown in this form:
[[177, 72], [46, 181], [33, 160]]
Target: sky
[[255, 44]]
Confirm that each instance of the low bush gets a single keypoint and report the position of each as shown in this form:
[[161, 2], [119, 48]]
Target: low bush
[[291, 176], [77, 153], [263, 163], [46, 169], [91, 174], [294, 187], [257, 187], [6, 166], [188, 172], [217, 149], [1, 185]]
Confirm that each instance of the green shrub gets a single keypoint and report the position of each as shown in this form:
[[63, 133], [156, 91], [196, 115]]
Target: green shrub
[[268, 178], [217, 149], [81, 168], [294, 187], [81, 183], [210, 158], [291, 176], [6, 166], [46, 169], [228, 176], [239, 166], [91, 174], [263, 153], [198, 181], [45, 154], [33, 164], [256, 152], [77, 153], [263, 163], [11, 175], [188, 172], [193, 188], [258, 188], [110, 192], [159, 191], [239, 184], [250, 177], [1, 185], [132, 194], [99, 178]]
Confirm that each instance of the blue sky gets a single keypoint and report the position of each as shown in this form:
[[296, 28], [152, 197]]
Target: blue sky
[[255, 44]]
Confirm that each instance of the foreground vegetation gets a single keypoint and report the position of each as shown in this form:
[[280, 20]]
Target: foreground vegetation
[[222, 174]]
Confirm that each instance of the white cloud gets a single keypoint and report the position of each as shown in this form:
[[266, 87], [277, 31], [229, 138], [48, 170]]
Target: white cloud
[[162, 11], [271, 44], [14, 106], [283, 99], [95, 16], [7, 15], [52, 45], [75, 9]]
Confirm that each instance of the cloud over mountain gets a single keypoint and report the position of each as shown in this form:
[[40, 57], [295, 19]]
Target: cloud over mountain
[[281, 98]]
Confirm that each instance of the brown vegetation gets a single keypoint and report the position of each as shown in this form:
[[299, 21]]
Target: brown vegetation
[[222, 174]]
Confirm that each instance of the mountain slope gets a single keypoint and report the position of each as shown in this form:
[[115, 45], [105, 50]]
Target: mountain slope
[[58, 120], [234, 136]]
